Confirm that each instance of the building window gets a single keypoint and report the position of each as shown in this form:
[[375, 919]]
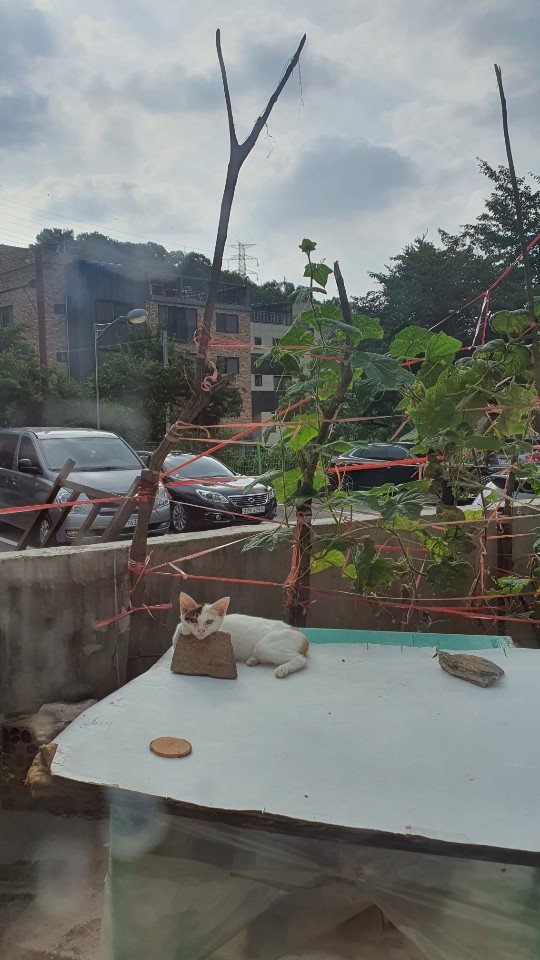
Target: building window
[[61, 356], [109, 310], [257, 341], [281, 382], [258, 379], [226, 323], [60, 309], [228, 364], [180, 322], [6, 316]]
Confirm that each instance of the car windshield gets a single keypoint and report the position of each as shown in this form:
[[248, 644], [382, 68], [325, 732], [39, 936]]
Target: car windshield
[[205, 467], [89, 453]]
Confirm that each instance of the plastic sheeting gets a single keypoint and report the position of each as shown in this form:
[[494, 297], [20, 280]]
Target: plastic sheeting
[[185, 889]]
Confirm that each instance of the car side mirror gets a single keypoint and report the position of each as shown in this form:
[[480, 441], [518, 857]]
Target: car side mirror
[[26, 466], [145, 457]]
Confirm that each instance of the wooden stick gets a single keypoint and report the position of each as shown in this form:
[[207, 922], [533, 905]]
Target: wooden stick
[[298, 591], [61, 477]]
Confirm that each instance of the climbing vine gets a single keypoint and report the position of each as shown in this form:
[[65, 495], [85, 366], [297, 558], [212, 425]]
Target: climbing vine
[[459, 405]]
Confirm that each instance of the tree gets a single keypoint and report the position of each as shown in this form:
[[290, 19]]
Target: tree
[[493, 235], [195, 265], [53, 238], [136, 389], [427, 283], [30, 393]]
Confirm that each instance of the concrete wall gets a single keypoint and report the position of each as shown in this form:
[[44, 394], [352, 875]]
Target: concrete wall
[[50, 599]]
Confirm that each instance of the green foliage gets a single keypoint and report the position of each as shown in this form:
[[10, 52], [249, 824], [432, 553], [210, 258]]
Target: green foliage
[[512, 323], [274, 538], [318, 272], [30, 393], [511, 584], [461, 405], [381, 373], [327, 558], [136, 389], [372, 572], [450, 577]]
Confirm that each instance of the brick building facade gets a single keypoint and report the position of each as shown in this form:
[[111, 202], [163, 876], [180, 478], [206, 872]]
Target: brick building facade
[[57, 297]]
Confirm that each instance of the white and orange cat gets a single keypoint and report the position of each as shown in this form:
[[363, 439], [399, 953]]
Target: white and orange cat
[[254, 639]]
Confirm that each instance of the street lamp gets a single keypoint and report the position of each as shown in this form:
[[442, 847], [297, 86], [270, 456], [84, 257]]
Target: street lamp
[[134, 316]]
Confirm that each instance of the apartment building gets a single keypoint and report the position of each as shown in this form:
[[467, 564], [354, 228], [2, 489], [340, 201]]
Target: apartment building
[[268, 323], [57, 297]]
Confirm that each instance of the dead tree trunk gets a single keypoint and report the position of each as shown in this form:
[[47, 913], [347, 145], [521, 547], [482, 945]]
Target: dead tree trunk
[[298, 587], [505, 558], [522, 238], [202, 388]]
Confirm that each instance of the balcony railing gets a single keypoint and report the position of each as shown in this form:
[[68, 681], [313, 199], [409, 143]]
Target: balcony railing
[[195, 290], [271, 316]]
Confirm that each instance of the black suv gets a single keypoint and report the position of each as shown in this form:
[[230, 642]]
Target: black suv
[[213, 495], [375, 463]]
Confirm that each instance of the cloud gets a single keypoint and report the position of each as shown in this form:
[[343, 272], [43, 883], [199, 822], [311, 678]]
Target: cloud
[[169, 91], [336, 177], [263, 64], [115, 107], [22, 118], [110, 201], [26, 35]]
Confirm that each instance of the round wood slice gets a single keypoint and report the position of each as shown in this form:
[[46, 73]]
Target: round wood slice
[[170, 747]]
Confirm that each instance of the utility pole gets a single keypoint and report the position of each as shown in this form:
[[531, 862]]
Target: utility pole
[[241, 258]]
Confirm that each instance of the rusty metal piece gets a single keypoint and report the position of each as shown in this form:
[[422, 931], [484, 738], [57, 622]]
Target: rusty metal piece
[[468, 667]]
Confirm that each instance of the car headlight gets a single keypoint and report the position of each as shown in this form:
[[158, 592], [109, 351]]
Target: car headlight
[[271, 493], [162, 496], [65, 496], [211, 495]]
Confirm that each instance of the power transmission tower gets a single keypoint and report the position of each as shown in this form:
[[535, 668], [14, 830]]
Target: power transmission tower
[[241, 259]]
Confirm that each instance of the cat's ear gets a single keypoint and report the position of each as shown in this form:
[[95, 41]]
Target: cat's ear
[[187, 603], [221, 606]]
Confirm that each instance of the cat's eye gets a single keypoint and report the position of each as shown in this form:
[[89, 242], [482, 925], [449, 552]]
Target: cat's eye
[[209, 622]]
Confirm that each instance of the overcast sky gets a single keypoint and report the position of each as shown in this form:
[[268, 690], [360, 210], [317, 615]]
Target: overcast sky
[[112, 117]]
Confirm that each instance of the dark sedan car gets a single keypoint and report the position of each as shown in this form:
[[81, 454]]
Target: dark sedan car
[[373, 464], [213, 495]]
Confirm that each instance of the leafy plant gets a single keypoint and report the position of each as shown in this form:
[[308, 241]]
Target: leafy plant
[[460, 406]]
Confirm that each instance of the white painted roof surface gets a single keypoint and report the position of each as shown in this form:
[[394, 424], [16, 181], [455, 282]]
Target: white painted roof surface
[[371, 738]]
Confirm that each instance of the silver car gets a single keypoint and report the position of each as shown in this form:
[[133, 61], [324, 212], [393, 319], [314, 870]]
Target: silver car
[[30, 459]]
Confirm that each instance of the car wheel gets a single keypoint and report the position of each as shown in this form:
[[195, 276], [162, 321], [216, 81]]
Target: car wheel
[[43, 530], [180, 518]]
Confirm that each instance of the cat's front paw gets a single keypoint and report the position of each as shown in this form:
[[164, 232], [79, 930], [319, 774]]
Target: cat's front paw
[[281, 671], [252, 662]]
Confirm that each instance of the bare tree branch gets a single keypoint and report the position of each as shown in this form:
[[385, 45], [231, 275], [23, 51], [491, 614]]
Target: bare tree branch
[[517, 198], [201, 394], [251, 140], [230, 115]]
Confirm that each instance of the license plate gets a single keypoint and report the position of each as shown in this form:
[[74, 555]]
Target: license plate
[[131, 522], [253, 509]]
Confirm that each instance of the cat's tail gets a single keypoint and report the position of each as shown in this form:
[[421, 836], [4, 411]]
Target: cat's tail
[[297, 662]]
